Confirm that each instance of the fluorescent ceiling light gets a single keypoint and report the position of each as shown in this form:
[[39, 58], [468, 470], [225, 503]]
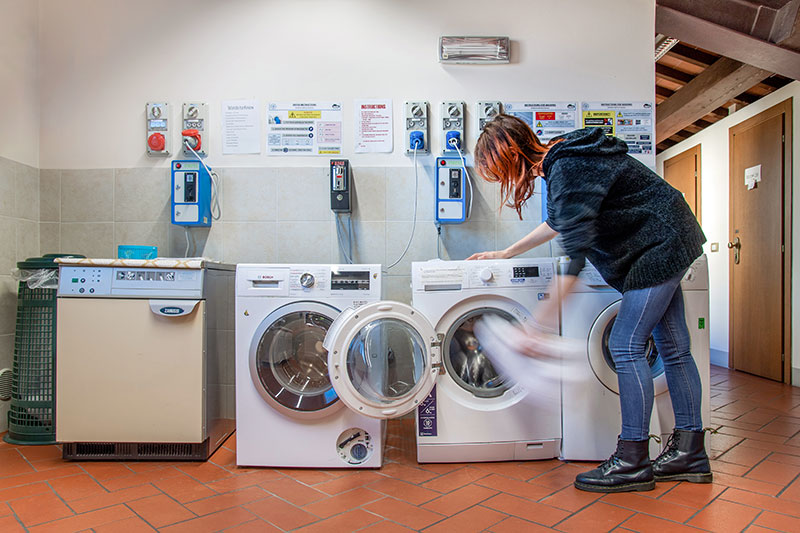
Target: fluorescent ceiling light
[[473, 50]]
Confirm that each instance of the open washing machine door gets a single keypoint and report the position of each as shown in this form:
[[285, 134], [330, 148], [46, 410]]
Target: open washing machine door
[[602, 362], [288, 363], [383, 358]]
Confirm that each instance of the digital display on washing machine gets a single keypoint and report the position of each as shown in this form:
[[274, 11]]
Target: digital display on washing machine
[[526, 272], [350, 280]]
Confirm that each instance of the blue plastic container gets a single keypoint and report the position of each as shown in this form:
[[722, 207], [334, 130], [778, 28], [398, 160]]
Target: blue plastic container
[[131, 251]]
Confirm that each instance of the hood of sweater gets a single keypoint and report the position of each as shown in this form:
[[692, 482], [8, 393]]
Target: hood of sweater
[[584, 142]]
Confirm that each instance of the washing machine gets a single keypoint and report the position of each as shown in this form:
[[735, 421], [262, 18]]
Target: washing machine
[[389, 358], [289, 415], [591, 418]]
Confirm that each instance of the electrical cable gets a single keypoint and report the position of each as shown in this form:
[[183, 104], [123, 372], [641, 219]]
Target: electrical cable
[[454, 144], [186, 234], [414, 224], [340, 240], [438, 240], [214, 184], [350, 235]]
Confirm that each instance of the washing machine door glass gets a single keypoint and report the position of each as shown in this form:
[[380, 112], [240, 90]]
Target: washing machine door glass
[[290, 363], [602, 362], [383, 358], [465, 360]]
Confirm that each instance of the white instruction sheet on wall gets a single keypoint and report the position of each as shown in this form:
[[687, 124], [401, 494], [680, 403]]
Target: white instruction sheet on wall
[[373, 126], [546, 119], [304, 128], [630, 121], [241, 131]]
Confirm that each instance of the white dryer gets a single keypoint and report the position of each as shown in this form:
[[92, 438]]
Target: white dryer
[[386, 359], [288, 414], [590, 399]]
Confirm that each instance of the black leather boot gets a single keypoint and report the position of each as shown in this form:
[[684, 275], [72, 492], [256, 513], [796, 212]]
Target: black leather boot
[[683, 458], [627, 469]]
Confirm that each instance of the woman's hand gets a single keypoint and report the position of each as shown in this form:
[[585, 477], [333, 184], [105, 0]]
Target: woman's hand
[[498, 254]]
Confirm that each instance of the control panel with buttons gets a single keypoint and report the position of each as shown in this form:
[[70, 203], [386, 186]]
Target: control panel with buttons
[[503, 274], [104, 281]]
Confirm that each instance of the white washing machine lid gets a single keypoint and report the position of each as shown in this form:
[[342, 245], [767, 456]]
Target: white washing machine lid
[[598, 360], [383, 358]]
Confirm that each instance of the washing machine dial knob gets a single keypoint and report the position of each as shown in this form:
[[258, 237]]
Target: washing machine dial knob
[[307, 280], [486, 275]]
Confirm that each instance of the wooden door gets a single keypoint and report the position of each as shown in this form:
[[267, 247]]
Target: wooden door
[[760, 215], [683, 172]]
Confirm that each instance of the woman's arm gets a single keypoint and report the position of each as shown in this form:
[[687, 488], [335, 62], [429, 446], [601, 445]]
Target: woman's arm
[[540, 235]]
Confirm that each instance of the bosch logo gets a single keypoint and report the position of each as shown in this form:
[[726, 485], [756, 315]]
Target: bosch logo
[[171, 311]]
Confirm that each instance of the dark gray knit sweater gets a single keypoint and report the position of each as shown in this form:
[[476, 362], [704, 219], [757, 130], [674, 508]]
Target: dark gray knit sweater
[[614, 211]]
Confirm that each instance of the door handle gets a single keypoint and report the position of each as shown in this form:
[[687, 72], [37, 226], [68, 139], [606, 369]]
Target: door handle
[[736, 245], [172, 308]]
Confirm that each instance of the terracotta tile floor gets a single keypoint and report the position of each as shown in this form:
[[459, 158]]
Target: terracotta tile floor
[[756, 462]]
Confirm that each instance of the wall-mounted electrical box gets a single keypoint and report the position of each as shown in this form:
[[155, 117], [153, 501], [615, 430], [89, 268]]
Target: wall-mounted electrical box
[[452, 127], [191, 194], [195, 126], [156, 116], [416, 114], [451, 191], [340, 185], [487, 111]]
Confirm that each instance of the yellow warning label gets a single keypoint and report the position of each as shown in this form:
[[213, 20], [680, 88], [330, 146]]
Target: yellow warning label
[[329, 152], [599, 119], [305, 114]]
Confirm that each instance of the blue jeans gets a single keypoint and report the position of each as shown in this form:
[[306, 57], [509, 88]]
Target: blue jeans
[[658, 311]]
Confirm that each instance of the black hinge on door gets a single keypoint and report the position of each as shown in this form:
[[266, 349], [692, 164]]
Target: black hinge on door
[[783, 357]]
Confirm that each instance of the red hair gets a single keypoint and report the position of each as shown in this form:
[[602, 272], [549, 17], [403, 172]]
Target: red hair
[[508, 152]]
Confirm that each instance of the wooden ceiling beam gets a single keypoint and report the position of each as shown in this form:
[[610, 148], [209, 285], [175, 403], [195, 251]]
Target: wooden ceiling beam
[[663, 91], [726, 42], [673, 75], [692, 55], [713, 87]]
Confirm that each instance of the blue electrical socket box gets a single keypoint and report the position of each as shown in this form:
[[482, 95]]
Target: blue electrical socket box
[[451, 191], [191, 194]]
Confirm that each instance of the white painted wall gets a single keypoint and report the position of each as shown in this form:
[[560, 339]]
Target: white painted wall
[[101, 60], [19, 89], [713, 143]]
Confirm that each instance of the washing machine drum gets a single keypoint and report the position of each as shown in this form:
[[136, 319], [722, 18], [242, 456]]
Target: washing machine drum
[[289, 363], [465, 359], [602, 362]]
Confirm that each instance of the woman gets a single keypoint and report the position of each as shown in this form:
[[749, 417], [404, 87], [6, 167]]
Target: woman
[[641, 236]]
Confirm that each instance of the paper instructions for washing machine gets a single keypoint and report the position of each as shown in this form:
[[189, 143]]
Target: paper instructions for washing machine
[[241, 131], [546, 119], [304, 128], [630, 121], [373, 126]]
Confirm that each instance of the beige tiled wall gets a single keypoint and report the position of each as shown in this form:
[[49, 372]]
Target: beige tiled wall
[[274, 215], [19, 239]]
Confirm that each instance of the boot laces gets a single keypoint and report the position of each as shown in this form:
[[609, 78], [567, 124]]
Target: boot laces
[[670, 447]]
